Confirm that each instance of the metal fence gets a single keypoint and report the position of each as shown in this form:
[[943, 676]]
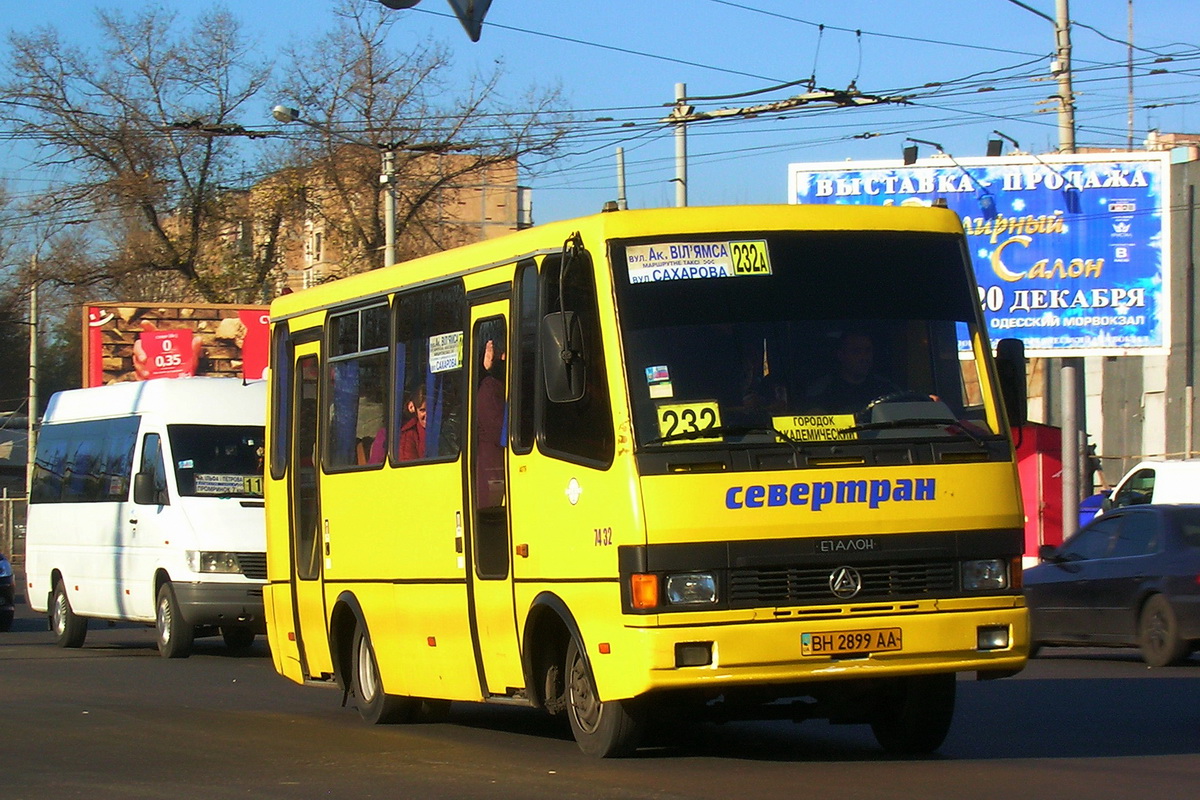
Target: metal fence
[[12, 527]]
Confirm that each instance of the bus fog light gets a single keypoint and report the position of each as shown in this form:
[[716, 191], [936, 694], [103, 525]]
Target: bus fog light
[[693, 654], [985, 575], [991, 637], [691, 589]]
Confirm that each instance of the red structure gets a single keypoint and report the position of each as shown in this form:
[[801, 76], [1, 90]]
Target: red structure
[[1039, 463]]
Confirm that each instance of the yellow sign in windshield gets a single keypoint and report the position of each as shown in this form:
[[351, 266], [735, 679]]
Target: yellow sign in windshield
[[817, 427], [686, 422]]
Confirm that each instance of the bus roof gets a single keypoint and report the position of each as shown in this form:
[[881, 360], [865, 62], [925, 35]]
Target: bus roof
[[202, 400], [548, 238]]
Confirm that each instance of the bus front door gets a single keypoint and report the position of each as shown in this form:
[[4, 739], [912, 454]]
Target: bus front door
[[493, 618], [308, 594]]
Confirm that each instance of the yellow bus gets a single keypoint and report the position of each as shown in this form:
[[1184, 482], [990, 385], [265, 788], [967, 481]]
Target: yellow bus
[[652, 467]]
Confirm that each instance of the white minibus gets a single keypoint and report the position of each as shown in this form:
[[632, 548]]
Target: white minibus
[[146, 505]]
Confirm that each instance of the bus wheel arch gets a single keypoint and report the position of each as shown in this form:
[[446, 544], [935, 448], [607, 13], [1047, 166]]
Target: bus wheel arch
[[347, 615], [549, 629]]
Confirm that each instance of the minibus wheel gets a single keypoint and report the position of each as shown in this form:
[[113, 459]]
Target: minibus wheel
[[69, 628], [175, 635], [608, 729], [374, 704], [913, 714]]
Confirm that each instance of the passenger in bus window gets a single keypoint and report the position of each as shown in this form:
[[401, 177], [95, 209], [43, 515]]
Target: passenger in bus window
[[489, 427], [854, 383], [412, 430]]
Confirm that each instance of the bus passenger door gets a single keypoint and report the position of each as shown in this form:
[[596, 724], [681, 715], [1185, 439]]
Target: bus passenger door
[[305, 535], [493, 616]]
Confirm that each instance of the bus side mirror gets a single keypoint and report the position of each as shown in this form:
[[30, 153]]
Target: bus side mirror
[[1010, 368], [562, 357], [145, 492]]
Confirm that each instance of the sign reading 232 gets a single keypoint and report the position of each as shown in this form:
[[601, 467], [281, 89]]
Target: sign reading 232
[[676, 419]]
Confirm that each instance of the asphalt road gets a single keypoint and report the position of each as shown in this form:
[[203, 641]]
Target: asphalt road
[[114, 720]]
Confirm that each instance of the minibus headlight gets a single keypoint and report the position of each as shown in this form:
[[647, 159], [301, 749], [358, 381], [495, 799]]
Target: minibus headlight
[[204, 561], [985, 574], [691, 589]]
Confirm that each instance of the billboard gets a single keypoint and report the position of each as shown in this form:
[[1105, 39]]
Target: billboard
[[1071, 253], [129, 341]]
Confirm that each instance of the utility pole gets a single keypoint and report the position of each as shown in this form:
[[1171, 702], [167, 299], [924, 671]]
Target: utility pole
[[1073, 395], [622, 204], [388, 179], [682, 111], [32, 399], [1072, 367]]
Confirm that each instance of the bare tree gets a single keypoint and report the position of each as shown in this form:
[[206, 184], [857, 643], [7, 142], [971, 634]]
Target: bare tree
[[352, 87], [149, 126]]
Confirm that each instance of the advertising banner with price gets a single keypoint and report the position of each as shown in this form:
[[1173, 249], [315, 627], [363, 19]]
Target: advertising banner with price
[[124, 341], [1071, 253]]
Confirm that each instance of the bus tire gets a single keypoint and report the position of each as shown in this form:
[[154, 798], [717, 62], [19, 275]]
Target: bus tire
[[914, 714], [608, 729], [1158, 634], [237, 637], [69, 628], [374, 704], [175, 635]]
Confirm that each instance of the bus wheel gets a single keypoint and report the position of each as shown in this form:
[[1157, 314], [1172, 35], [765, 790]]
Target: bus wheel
[[69, 628], [174, 634], [374, 705], [914, 714], [237, 637], [1158, 634], [608, 729]]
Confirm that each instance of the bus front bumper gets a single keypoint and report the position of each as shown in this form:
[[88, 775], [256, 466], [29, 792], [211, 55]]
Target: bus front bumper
[[784, 648]]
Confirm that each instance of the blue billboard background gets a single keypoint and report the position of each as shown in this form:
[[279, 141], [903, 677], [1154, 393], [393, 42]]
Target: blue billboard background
[[1069, 252]]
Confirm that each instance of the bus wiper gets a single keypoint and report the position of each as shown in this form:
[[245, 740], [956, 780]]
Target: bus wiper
[[723, 430], [916, 422]]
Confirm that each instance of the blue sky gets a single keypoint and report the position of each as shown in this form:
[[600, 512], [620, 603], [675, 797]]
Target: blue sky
[[621, 59]]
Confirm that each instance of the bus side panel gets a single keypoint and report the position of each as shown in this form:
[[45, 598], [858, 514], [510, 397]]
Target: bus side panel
[[393, 542], [428, 650]]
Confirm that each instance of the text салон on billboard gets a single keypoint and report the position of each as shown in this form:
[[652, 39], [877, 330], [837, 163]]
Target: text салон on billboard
[[1070, 252]]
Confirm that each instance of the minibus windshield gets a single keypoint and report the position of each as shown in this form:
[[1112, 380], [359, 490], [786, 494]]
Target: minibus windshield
[[217, 460], [799, 337]]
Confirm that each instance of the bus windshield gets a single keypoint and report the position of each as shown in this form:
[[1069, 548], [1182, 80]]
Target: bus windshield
[[811, 337], [217, 460]]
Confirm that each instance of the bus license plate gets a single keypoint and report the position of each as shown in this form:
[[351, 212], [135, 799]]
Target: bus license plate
[[833, 643]]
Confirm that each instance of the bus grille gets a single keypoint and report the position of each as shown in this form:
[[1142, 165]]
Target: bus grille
[[811, 585], [254, 565]]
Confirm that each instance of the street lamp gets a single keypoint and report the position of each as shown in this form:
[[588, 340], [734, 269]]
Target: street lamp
[[387, 174]]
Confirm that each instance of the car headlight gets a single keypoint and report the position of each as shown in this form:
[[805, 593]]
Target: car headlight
[[986, 574], [5, 568], [204, 561], [691, 588]]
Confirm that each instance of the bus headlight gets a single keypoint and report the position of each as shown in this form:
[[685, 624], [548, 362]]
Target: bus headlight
[[986, 574], [203, 561], [692, 588]]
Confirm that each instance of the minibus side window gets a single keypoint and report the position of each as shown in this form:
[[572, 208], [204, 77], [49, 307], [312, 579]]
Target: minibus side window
[[153, 468]]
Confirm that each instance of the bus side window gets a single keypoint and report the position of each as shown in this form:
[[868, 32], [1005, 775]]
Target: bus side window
[[583, 430], [358, 383], [428, 356]]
